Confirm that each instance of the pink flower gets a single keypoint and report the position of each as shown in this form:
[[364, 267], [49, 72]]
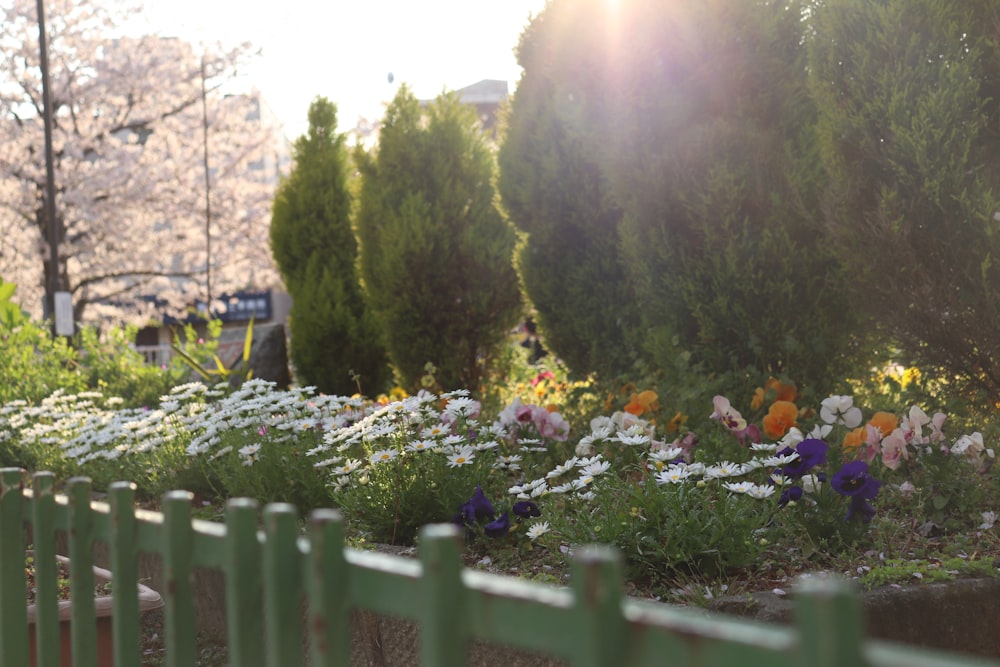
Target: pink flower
[[728, 415], [937, 426], [553, 426], [872, 445], [894, 449]]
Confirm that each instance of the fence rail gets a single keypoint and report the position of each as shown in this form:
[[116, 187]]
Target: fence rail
[[270, 572]]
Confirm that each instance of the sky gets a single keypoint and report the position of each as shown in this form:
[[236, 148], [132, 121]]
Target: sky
[[346, 50]]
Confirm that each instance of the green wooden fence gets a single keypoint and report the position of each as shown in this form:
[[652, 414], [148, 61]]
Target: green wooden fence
[[270, 573]]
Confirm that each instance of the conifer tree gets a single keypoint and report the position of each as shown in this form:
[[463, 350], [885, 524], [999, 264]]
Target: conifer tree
[[334, 337], [698, 113], [910, 135], [568, 259], [435, 250]]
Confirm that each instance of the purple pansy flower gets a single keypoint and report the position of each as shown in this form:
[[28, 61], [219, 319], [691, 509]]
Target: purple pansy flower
[[478, 507], [812, 452], [526, 509], [791, 494], [853, 480], [499, 527]]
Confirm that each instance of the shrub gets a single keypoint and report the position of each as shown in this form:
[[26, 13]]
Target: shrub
[[435, 251]]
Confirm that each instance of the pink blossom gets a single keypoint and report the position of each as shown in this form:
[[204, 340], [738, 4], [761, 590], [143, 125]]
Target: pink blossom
[[728, 415], [894, 449]]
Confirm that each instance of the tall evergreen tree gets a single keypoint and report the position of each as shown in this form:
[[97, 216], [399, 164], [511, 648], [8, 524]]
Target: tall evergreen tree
[[334, 336], [557, 195], [698, 110], [435, 250], [910, 134]]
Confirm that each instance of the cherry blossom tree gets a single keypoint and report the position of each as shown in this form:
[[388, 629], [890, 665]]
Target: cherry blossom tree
[[134, 118]]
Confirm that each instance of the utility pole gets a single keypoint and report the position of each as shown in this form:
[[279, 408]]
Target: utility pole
[[58, 304], [208, 191]]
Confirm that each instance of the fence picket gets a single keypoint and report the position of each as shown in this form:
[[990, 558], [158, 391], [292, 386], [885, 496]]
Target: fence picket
[[13, 611], [329, 601], [124, 549], [43, 536], [244, 585], [591, 623], [178, 552], [597, 586], [282, 586], [83, 626], [444, 638]]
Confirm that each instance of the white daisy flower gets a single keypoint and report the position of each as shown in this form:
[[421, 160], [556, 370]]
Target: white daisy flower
[[420, 445], [739, 487], [634, 435], [779, 461], [349, 466], [763, 447], [562, 468], [664, 455], [328, 462], [436, 431], [760, 491], [672, 475], [488, 444], [462, 457], [538, 529], [585, 461], [724, 469], [383, 456], [596, 468]]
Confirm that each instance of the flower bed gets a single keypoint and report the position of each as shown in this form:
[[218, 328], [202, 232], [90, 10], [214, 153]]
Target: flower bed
[[745, 504]]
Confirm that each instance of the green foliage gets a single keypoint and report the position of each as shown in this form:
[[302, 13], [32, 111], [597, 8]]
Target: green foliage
[[910, 137], [435, 251], [717, 533], [109, 363], [899, 571], [203, 360], [568, 259], [334, 336], [708, 147]]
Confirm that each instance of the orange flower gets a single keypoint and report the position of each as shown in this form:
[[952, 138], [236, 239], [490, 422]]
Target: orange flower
[[885, 422], [758, 398], [676, 422], [642, 402], [779, 418], [854, 439], [782, 392]]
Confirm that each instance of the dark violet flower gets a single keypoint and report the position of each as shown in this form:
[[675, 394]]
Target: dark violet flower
[[853, 480], [861, 507], [790, 494], [499, 527], [526, 509], [812, 452], [478, 507]]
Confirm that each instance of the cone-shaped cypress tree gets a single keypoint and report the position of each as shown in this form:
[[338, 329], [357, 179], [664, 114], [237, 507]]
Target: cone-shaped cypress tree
[[910, 134], [435, 250], [334, 336]]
